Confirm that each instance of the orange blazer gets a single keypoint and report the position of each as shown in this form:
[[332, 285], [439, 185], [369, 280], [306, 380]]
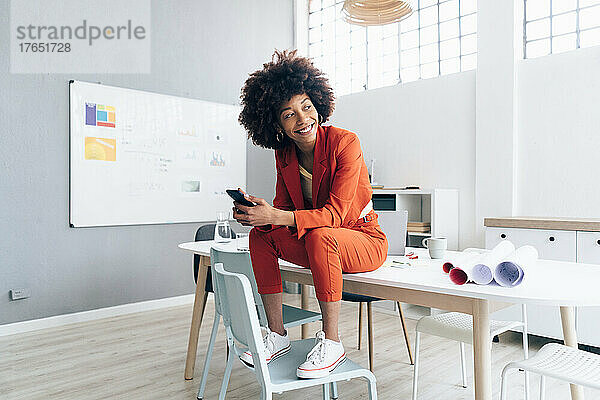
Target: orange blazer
[[340, 182]]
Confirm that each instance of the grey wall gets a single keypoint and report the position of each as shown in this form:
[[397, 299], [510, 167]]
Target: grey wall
[[202, 50]]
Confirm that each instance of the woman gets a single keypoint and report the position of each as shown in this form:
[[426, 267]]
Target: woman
[[322, 216]]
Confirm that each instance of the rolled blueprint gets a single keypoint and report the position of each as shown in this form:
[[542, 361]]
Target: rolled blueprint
[[479, 270], [464, 271], [462, 258], [511, 270]]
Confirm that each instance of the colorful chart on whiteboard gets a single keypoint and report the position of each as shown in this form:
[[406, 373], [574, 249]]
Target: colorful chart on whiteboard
[[138, 157]]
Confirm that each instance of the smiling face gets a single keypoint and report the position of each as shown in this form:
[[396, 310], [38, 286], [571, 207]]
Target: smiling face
[[299, 119]]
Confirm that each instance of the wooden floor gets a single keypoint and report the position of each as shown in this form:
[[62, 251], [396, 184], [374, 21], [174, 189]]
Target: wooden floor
[[141, 356]]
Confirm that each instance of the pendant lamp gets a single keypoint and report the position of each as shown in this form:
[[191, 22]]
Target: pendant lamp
[[376, 12]]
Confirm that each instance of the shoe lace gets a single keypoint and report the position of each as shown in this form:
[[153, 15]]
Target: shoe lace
[[269, 341], [317, 354]]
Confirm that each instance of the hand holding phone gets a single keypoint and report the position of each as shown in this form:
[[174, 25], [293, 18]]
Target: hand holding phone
[[239, 197], [254, 211]]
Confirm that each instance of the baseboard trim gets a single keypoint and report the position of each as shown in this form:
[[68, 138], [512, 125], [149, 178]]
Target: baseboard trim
[[91, 315]]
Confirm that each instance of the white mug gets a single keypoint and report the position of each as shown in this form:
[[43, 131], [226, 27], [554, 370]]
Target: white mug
[[436, 246]]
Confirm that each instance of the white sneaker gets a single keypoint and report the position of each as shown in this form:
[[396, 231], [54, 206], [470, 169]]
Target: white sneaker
[[275, 346], [322, 359]]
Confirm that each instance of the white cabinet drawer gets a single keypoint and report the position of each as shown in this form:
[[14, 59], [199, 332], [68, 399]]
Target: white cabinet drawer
[[550, 244], [588, 247]]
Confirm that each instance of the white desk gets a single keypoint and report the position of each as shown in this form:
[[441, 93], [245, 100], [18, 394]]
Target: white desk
[[552, 283]]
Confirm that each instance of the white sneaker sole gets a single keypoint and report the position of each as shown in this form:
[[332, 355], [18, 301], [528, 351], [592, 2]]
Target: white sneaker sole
[[321, 372], [280, 353]]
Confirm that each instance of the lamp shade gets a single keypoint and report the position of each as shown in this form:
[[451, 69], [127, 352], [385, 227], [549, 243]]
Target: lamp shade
[[376, 12]]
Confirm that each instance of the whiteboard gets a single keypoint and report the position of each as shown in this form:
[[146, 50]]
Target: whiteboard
[[146, 158]]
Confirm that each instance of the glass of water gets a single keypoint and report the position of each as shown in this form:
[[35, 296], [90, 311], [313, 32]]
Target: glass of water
[[242, 241], [222, 228]]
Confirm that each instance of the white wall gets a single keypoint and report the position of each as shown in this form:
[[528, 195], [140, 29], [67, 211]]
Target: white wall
[[498, 41], [524, 133], [559, 135], [420, 133]]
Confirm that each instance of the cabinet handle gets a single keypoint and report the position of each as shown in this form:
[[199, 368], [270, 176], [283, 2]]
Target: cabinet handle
[[551, 238], [503, 236]]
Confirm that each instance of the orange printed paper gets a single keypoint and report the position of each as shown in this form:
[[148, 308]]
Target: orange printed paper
[[100, 149]]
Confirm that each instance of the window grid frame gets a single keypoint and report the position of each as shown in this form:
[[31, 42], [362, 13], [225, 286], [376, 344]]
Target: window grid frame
[[364, 64], [577, 10]]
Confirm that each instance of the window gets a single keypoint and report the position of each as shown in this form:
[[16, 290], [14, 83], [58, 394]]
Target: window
[[555, 26], [440, 37]]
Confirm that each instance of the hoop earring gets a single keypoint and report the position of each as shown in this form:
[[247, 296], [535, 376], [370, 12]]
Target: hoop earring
[[279, 135], [320, 119]]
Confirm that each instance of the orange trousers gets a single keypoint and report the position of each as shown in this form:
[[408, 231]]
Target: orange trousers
[[328, 252]]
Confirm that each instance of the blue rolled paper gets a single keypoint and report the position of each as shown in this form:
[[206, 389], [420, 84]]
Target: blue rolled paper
[[510, 272]]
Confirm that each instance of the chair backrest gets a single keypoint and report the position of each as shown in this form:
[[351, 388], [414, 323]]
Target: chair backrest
[[205, 232], [235, 295], [239, 262]]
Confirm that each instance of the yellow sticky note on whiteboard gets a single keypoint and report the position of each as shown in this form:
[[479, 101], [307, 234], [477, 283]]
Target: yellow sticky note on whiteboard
[[102, 149]]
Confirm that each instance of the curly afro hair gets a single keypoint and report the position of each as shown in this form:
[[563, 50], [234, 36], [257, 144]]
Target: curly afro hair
[[267, 89]]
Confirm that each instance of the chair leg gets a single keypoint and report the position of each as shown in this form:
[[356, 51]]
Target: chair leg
[[504, 385], [406, 339], [266, 395], [203, 305], [360, 323], [372, 389], [226, 376], [416, 368], [463, 366], [326, 391], [334, 392], [542, 387], [525, 347], [370, 334], [209, 351]]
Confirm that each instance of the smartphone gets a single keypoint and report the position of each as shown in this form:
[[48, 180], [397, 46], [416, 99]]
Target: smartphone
[[239, 197]]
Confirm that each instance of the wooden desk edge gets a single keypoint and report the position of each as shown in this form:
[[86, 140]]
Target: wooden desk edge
[[564, 224]]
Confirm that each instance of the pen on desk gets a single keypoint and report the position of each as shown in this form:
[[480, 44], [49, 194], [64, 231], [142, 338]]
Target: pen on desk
[[402, 263]]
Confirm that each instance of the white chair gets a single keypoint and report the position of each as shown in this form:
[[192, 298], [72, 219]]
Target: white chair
[[239, 261], [459, 327], [560, 362], [233, 293]]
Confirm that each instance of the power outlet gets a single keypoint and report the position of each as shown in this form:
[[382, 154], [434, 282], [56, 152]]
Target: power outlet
[[18, 294]]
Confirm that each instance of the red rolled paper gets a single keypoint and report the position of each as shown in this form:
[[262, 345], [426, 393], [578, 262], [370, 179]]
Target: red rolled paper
[[458, 276], [447, 266]]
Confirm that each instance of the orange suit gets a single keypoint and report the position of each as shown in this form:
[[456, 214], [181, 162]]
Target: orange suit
[[330, 238]]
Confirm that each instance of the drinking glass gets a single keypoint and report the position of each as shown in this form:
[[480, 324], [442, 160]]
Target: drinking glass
[[222, 228]]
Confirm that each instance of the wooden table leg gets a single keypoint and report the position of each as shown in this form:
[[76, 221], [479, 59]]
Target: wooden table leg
[[304, 306], [567, 316], [197, 313], [370, 334], [360, 319], [406, 339], [482, 350]]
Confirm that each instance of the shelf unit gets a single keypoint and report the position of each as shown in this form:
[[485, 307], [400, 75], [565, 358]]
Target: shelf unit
[[436, 206]]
